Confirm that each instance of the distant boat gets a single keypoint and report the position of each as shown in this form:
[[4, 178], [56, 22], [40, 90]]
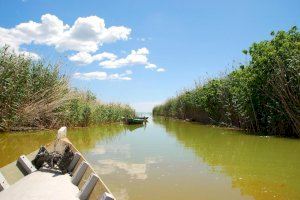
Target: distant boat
[[135, 120], [144, 118], [56, 171]]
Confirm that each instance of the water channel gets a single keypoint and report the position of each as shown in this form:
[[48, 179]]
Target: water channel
[[172, 159]]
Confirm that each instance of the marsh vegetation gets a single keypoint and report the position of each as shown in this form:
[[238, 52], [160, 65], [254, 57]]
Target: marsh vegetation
[[34, 94], [262, 95]]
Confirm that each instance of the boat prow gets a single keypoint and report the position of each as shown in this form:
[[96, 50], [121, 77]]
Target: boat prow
[[21, 180]]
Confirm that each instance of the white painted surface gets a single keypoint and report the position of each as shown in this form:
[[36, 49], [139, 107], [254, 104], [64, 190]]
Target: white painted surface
[[79, 173], [26, 164], [3, 183], [41, 186], [107, 196], [61, 133], [88, 186], [74, 161]]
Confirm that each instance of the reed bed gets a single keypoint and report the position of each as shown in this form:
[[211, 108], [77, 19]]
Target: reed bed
[[262, 96], [34, 95]]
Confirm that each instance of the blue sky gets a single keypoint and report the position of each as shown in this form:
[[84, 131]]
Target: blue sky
[[179, 41]]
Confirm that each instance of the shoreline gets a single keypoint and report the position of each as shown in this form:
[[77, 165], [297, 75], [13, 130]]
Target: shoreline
[[24, 130], [246, 132]]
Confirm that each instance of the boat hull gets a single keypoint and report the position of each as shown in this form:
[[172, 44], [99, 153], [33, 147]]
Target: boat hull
[[14, 174], [134, 121]]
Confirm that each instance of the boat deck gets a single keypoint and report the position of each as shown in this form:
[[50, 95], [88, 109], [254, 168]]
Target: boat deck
[[42, 185]]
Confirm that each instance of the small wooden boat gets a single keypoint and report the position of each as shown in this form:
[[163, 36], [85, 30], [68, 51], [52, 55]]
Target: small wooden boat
[[23, 180], [135, 120], [144, 118], [131, 121]]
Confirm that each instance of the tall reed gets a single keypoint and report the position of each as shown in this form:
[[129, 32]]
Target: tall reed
[[262, 96], [34, 94]]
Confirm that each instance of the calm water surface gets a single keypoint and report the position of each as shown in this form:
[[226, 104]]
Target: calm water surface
[[173, 160]]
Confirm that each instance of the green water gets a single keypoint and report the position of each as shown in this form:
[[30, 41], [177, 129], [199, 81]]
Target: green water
[[171, 159]]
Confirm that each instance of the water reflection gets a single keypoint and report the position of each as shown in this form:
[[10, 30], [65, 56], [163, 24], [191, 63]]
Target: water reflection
[[134, 170], [146, 161], [132, 128], [263, 167], [12, 145], [111, 159], [16, 144], [176, 160], [86, 138]]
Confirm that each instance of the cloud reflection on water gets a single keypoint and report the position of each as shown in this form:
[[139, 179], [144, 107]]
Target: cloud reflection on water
[[134, 170], [123, 149]]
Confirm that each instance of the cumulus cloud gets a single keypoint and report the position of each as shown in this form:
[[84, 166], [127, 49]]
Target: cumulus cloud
[[98, 75], [136, 57], [84, 58], [107, 60], [87, 34]]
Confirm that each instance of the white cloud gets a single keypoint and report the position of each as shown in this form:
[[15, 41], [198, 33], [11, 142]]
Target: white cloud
[[150, 66], [136, 57], [98, 75], [91, 75], [85, 37], [84, 58], [87, 34], [141, 51], [115, 33], [119, 77], [161, 70]]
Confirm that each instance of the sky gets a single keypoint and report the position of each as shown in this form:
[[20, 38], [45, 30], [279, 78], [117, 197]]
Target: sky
[[141, 52]]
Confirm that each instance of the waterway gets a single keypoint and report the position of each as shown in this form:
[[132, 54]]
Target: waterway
[[172, 159]]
